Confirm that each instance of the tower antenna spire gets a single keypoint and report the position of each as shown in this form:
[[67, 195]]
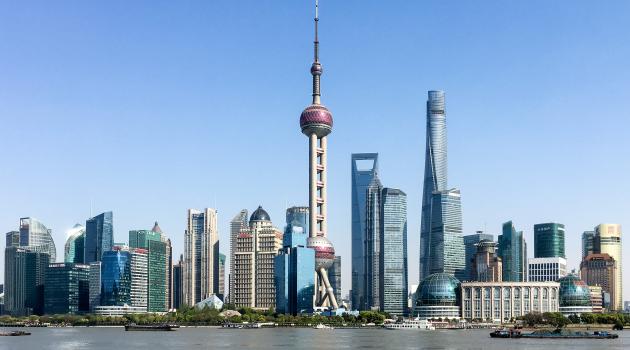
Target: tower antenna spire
[[316, 68]]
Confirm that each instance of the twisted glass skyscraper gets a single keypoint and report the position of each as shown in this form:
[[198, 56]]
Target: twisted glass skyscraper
[[441, 240]]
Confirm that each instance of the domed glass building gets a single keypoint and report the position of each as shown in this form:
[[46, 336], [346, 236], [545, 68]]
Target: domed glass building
[[575, 296], [437, 296]]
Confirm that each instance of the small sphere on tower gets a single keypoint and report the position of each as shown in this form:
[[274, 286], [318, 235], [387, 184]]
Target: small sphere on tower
[[316, 119]]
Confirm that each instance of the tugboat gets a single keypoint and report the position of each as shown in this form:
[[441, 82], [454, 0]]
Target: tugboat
[[158, 327], [506, 333], [14, 334]]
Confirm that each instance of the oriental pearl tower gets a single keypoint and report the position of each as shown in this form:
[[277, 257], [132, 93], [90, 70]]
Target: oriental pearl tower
[[316, 122]]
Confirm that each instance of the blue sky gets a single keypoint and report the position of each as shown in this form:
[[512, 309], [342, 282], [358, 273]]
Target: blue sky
[[148, 108]]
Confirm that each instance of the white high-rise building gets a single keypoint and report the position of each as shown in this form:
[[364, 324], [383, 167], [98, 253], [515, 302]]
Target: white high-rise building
[[253, 275], [139, 292], [546, 269], [201, 256], [608, 241]]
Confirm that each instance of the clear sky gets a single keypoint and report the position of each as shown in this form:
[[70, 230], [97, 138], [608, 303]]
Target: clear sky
[[147, 108]]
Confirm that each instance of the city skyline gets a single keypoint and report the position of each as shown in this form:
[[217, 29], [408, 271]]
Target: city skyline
[[518, 123]]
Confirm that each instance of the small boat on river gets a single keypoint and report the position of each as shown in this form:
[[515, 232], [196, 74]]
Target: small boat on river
[[14, 334], [156, 328], [555, 334]]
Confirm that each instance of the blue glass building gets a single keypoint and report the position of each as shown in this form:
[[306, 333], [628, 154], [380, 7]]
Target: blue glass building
[[294, 266], [513, 253], [471, 250], [75, 245], [364, 168], [446, 252], [67, 289], [549, 240], [393, 262], [99, 236], [116, 278], [435, 176]]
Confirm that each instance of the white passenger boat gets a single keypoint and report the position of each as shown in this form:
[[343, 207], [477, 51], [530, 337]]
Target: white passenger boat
[[323, 326], [411, 324]]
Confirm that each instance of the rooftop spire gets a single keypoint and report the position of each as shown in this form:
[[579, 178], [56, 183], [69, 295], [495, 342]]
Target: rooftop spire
[[316, 68]]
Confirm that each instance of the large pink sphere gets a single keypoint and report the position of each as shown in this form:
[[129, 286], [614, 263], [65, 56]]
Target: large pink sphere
[[316, 119], [324, 251]]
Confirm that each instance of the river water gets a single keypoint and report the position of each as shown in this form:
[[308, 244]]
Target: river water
[[288, 338]]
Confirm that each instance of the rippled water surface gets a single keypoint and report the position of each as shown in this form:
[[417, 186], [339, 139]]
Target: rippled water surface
[[216, 338]]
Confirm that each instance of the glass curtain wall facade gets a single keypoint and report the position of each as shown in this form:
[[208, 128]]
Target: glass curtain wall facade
[[294, 266], [513, 252], [201, 256], [67, 289], [373, 245], [446, 251], [549, 240], [99, 236], [470, 247], [155, 246], [34, 234], [75, 245], [588, 244], [177, 284], [116, 278], [435, 174], [24, 277], [335, 277], [364, 168], [393, 268]]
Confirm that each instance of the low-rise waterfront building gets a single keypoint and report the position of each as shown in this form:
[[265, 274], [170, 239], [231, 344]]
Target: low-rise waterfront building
[[506, 301], [575, 296], [438, 296]]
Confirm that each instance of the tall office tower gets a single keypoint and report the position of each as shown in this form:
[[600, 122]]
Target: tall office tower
[[600, 270], [139, 277], [24, 276], [446, 252], [13, 239], [393, 262], [435, 175], [95, 285], [178, 296], [294, 266], [201, 256], [373, 244], [546, 269], [169, 272], [513, 253], [153, 243], [168, 268], [99, 236], [67, 289], [470, 246], [221, 293], [237, 225], [116, 277], [608, 241], [335, 277], [487, 266], [75, 245], [34, 234], [597, 299], [256, 248], [364, 170], [588, 244], [549, 241], [316, 123]]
